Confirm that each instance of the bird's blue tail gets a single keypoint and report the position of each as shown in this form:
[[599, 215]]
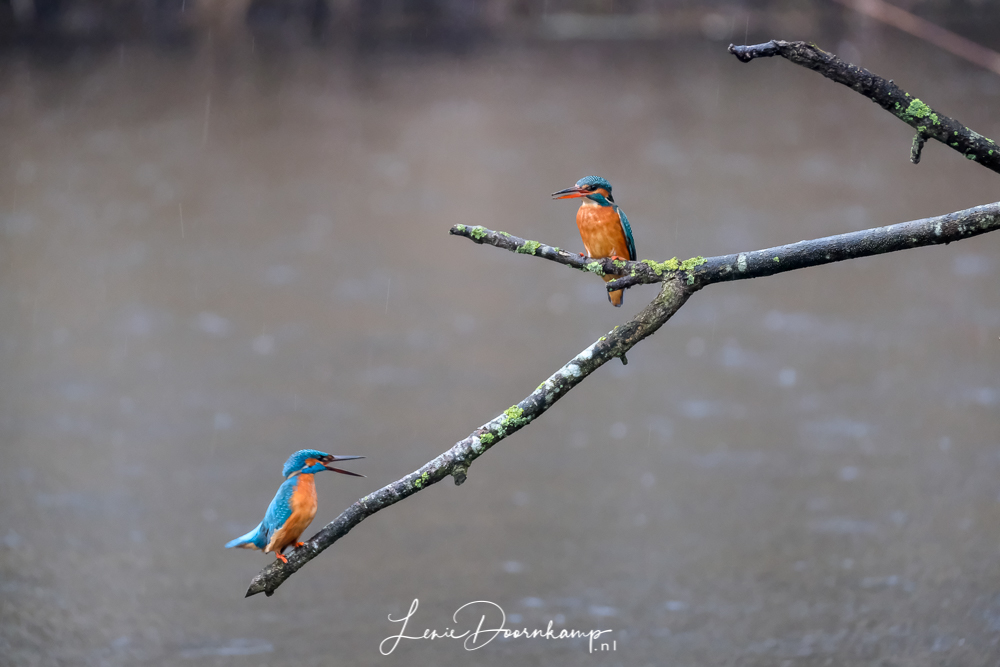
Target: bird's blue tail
[[255, 539]]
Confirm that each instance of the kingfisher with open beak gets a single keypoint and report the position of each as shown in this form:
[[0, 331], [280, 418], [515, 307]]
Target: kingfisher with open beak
[[603, 226], [294, 506]]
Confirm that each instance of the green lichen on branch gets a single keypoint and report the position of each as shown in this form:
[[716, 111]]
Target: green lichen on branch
[[690, 264], [595, 267], [673, 264], [917, 111], [659, 268], [529, 248], [421, 482], [460, 228], [513, 417], [478, 232]]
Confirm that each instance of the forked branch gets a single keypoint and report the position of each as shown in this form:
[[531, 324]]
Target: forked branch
[[678, 281]]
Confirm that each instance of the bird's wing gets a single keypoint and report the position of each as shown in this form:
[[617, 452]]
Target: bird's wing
[[280, 508], [627, 228]]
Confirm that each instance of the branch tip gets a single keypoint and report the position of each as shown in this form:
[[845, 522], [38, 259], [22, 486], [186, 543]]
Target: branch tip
[[745, 53], [918, 145]]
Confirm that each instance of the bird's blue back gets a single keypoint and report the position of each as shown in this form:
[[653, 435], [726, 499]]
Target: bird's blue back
[[281, 507]]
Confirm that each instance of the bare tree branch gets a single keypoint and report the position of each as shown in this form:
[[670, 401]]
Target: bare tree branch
[[677, 286], [644, 271], [456, 460], [678, 281], [928, 123], [914, 234], [699, 271]]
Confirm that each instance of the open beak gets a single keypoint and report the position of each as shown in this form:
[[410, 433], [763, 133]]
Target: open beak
[[332, 458], [570, 193]]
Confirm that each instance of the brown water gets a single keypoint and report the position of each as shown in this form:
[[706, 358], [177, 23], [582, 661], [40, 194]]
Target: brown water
[[212, 259]]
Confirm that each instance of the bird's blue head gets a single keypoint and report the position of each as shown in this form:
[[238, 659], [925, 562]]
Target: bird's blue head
[[591, 187], [308, 461]]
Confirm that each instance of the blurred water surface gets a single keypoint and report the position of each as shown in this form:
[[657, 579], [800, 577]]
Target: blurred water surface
[[213, 257]]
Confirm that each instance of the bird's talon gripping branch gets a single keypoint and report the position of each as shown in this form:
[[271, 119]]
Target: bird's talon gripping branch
[[283, 558]]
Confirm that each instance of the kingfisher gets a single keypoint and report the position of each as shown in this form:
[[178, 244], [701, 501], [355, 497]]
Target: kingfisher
[[603, 226], [294, 506]]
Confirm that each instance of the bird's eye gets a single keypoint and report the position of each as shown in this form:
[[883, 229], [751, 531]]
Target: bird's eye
[[591, 188]]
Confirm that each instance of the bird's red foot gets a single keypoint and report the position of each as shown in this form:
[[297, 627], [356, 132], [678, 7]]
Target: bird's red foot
[[299, 544], [282, 558], [582, 255], [619, 258]]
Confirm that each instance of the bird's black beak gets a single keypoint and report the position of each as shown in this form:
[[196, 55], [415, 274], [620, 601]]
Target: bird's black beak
[[570, 193], [332, 458]]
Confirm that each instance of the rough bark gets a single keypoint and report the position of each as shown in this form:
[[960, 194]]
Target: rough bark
[[928, 123]]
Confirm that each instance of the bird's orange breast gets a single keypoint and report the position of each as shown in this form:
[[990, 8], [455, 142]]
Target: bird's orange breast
[[601, 231], [303, 502]]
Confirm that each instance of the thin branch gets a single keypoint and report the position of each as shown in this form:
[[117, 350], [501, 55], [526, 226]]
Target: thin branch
[[644, 271], [942, 229], [699, 271], [917, 114], [456, 460]]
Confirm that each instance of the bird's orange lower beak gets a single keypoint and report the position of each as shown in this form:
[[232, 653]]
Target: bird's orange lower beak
[[344, 472], [570, 193], [326, 464]]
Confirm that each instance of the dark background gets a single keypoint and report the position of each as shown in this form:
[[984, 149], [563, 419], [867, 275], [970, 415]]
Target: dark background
[[223, 237]]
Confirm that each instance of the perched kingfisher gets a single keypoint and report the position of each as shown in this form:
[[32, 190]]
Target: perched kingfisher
[[603, 226], [294, 506]]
